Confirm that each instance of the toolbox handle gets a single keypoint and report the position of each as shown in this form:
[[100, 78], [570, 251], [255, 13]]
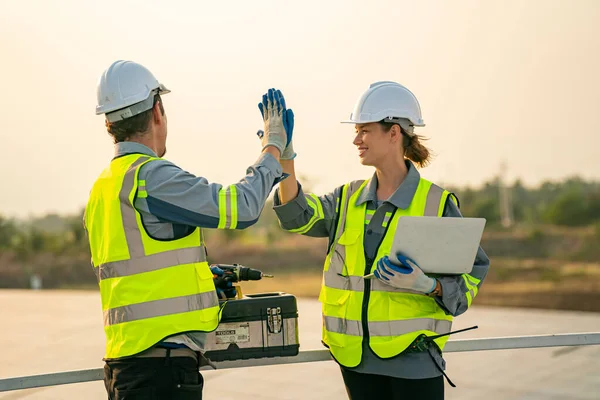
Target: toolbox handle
[[269, 294]]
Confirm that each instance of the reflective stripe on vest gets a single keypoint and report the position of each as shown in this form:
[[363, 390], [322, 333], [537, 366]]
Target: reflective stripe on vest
[[434, 201], [340, 253], [386, 328], [158, 308], [152, 262], [342, 294]]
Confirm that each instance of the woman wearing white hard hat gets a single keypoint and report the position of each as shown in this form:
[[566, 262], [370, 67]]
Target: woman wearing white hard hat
[[384, 332]]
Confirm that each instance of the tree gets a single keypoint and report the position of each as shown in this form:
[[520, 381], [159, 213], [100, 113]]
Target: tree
[[8, 231], [487, 208], [569, 209]]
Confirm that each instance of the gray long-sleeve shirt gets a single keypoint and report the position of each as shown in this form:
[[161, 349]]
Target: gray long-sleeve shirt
[[456, 295], [178, 202]]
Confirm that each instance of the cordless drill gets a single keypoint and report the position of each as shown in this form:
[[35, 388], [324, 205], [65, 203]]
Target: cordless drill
[[225, 275]]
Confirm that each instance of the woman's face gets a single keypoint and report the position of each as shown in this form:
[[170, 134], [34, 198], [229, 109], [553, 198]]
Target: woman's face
[[374, 144]]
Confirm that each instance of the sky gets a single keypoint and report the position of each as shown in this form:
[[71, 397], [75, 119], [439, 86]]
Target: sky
[[509, 81]]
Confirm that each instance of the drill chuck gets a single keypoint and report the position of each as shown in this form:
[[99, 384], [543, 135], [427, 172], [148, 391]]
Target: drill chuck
[[249, 274]]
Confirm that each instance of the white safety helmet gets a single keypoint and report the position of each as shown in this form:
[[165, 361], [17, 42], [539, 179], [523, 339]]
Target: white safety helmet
[[390, 102], [126, 89]]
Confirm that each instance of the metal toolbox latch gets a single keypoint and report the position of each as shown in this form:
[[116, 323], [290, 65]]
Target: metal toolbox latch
[[274, 319]]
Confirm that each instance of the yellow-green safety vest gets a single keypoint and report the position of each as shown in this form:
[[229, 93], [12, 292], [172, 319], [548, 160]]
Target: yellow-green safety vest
[[150, 289], [394, 317]]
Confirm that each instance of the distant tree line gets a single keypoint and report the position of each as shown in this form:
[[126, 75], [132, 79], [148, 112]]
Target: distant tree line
[[572, 202]]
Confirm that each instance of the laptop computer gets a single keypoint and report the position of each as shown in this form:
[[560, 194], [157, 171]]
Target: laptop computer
[[445, 245]]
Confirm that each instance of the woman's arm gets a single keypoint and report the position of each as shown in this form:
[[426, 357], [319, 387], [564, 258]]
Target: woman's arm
[[306, 214], [458, 292], [288, 188]]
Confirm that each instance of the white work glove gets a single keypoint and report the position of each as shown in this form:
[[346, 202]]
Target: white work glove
[[408, 275], [273, 109], [288, 124]]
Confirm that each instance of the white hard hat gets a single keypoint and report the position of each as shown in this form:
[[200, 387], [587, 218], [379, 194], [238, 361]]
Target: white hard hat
[[387, 101], [126, 89]]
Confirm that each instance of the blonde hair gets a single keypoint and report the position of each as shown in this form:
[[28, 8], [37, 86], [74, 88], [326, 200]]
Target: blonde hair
[[416, 151]]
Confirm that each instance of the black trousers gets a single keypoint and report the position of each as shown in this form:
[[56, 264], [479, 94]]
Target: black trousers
[[156, 378], [367, 387]]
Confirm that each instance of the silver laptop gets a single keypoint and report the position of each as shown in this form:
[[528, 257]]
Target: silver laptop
[[439, 245]]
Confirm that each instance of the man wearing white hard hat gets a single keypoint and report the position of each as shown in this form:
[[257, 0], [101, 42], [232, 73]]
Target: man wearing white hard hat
[[376, 328], [144, 218]]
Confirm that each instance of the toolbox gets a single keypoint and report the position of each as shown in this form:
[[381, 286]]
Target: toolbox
[[255, 326]]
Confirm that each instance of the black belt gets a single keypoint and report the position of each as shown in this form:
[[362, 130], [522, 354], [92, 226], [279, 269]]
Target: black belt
[[167, 352]]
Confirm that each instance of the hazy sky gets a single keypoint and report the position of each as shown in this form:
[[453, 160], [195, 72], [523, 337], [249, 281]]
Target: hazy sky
[[515, 80]]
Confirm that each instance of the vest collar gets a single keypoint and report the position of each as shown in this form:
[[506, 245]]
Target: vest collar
[[403, 195], [124, 148]]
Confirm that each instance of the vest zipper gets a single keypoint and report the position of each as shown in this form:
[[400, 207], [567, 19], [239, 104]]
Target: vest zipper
[[365, 304], [367, 283]]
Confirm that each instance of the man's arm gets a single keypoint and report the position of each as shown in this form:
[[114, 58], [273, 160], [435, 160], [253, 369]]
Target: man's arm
[[459, 291], [176, 196]]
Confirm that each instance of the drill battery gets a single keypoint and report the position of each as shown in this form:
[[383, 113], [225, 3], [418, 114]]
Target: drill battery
[[255, 326]]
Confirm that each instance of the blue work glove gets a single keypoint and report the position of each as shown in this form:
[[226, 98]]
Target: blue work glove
[[408, 275], [224, 286], [288, 123], [287, 119]]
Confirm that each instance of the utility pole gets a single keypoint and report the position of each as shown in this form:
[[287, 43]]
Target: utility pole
[[506, 212]]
